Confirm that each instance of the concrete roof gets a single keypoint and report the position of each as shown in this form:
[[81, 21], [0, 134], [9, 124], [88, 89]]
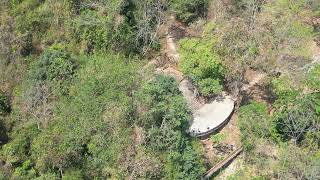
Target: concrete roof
[[211, 116]]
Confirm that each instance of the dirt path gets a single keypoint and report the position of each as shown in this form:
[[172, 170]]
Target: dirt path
[[172, 32], [253, 78]]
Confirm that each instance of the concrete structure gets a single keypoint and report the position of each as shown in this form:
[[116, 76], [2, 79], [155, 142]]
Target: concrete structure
[[207, 118], [211, 116]]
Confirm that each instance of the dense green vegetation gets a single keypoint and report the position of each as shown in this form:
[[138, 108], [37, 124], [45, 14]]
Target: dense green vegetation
[[165, 123], [75, 105], [188, 11], [285, 127], [4, 105], [202, 64]]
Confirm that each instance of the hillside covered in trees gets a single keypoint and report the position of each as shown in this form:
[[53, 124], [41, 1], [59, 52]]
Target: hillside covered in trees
[[80, 99]]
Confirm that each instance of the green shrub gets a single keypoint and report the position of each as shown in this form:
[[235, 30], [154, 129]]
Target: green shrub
[[51, 73], [210, 86], [25, 46], [91, 128], [125, 28], [46, 176], [17, 150], [32, 20], [161, 88], [25, 171], [165, 119], [168, 115], [295, 162], [73, 174], [54, 65], [218, 138], [4, 104], [3, 131], [297, 116], [184, 165], [93, 29], [283, 86], [313, 80], [189, 10], [254, 123], [202, 64]]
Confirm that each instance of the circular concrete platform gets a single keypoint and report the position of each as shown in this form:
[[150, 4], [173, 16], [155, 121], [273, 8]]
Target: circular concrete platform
[[211, 116]]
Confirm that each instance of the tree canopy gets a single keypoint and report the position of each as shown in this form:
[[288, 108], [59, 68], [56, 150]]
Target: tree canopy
[[79, 99]]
